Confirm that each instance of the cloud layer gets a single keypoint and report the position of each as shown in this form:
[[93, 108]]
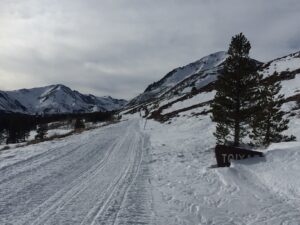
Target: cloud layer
[[118, 47]]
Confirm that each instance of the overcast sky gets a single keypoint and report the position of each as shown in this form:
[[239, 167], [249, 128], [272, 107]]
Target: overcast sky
[[118, 47]]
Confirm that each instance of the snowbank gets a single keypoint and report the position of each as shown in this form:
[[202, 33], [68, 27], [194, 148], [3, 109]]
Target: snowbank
[[186, 190]]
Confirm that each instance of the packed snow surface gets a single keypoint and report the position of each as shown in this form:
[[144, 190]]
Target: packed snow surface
[[145, 172], [187, 190], [98, 177]]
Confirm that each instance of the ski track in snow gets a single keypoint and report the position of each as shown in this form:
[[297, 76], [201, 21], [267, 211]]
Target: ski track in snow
[[114, 175], [99, 177]]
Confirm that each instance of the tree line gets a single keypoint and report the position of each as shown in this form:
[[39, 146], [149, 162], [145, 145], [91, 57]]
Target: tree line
[[16, 127], [247, 105]]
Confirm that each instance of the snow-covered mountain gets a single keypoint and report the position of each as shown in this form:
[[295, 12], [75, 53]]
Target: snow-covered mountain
[[198, 73], [289, 69], [182, 154], [164, 171], [191, 88], [55, 99]]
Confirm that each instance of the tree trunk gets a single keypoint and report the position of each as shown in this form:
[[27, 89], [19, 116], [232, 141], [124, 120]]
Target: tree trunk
[[237, 129], [236, 133], [268, 133]]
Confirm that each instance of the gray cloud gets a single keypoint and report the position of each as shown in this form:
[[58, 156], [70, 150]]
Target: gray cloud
[[118, 47]]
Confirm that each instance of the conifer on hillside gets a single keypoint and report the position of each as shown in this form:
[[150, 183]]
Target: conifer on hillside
[[236, 93], [41, 131], [79, 124], [2, 135], [268, 123]]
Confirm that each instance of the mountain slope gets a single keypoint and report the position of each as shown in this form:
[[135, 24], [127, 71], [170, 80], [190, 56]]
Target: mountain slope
[[207, 65], [55, 99], [195, 92], [186, 188], [289, 69], [6, 102]]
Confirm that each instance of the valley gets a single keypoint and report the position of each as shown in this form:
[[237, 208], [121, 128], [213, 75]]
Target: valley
[[156, 165]]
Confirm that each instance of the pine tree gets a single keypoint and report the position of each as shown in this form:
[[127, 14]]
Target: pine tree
[[79, 124], [13, 135], [236, 93], [269, 122], [222, 132], [41, 131], [2, 130], [13, 130], [2, 135], [194, 90]]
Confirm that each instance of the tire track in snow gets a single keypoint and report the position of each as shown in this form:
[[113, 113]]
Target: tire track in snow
[[78, 186], [109, 211], [50, 165], [137, 204], [68, 193], [41, 159], [75, 184]]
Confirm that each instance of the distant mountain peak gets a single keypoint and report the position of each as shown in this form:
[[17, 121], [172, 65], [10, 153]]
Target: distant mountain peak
[[207, 64], [53, 99], [194, 86]]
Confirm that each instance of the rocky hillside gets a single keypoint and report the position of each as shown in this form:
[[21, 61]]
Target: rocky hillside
[[55, 99], [197, 74], [191, 88]]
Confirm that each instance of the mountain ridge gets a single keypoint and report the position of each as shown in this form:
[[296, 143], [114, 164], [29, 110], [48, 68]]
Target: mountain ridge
[[55, 99], [209, 63], [192, 90]]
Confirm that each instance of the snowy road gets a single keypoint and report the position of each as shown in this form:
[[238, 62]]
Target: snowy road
[[160, 175], [98, 177]]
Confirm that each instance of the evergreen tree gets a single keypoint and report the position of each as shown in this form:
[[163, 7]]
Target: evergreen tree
[[194, 90], [79, 124], [269, 122], [2, 129], [18, 128], [222, 132], [41, 131], [236, 93], [2, 135], [13, 135]]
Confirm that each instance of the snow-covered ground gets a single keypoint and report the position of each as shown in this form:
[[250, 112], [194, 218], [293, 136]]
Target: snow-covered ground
[[138, 172], [187, 190], [291, 87], [97, 177], [287, 63], [197, 99], [59, 130]]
